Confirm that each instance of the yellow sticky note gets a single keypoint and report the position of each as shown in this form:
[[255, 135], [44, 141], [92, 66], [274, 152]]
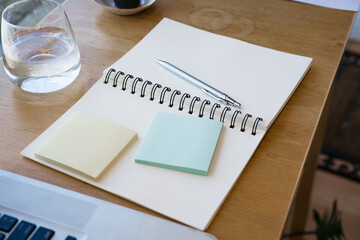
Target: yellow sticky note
[[86, 145]]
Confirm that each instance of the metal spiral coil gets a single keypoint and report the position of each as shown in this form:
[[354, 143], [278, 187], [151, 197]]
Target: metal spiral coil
[[144, 84]]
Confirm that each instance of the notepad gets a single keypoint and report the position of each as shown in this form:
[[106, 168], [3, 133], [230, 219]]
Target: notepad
[[134, 88], [86, 145], [180, 142]]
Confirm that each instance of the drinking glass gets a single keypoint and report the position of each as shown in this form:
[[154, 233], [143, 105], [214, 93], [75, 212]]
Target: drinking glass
[[40, 53]]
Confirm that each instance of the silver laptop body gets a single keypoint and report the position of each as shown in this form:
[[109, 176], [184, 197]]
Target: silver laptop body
[[71, 215]]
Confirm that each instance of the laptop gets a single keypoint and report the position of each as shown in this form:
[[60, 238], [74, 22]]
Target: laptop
[[30, 209]]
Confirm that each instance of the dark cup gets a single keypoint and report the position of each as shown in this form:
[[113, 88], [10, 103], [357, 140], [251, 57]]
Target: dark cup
[[127, 3]]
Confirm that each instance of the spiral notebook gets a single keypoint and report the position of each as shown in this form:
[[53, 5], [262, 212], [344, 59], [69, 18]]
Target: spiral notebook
[[135, 88]]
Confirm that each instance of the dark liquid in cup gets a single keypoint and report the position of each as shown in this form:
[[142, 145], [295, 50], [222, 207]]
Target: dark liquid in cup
[[127, 3]]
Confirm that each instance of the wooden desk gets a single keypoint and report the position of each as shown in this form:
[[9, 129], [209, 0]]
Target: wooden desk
[[258, 205]]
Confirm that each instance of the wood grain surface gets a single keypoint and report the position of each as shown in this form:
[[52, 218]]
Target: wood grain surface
[[259, 203]]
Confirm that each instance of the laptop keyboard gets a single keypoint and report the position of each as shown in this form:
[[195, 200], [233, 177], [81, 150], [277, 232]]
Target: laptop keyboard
[[11, 228]]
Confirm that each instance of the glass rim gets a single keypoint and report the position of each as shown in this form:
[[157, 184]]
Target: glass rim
[[58, 5]]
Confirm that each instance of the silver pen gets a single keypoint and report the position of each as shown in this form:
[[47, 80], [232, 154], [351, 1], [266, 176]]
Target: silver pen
[[218, 95]]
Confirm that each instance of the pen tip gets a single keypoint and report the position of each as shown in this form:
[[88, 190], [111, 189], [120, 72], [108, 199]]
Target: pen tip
[[235, 103]]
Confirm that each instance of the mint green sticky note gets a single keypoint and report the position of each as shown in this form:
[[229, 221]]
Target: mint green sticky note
[[180, 142]]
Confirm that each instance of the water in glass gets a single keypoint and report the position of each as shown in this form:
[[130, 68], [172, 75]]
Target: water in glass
[[41, 59]]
